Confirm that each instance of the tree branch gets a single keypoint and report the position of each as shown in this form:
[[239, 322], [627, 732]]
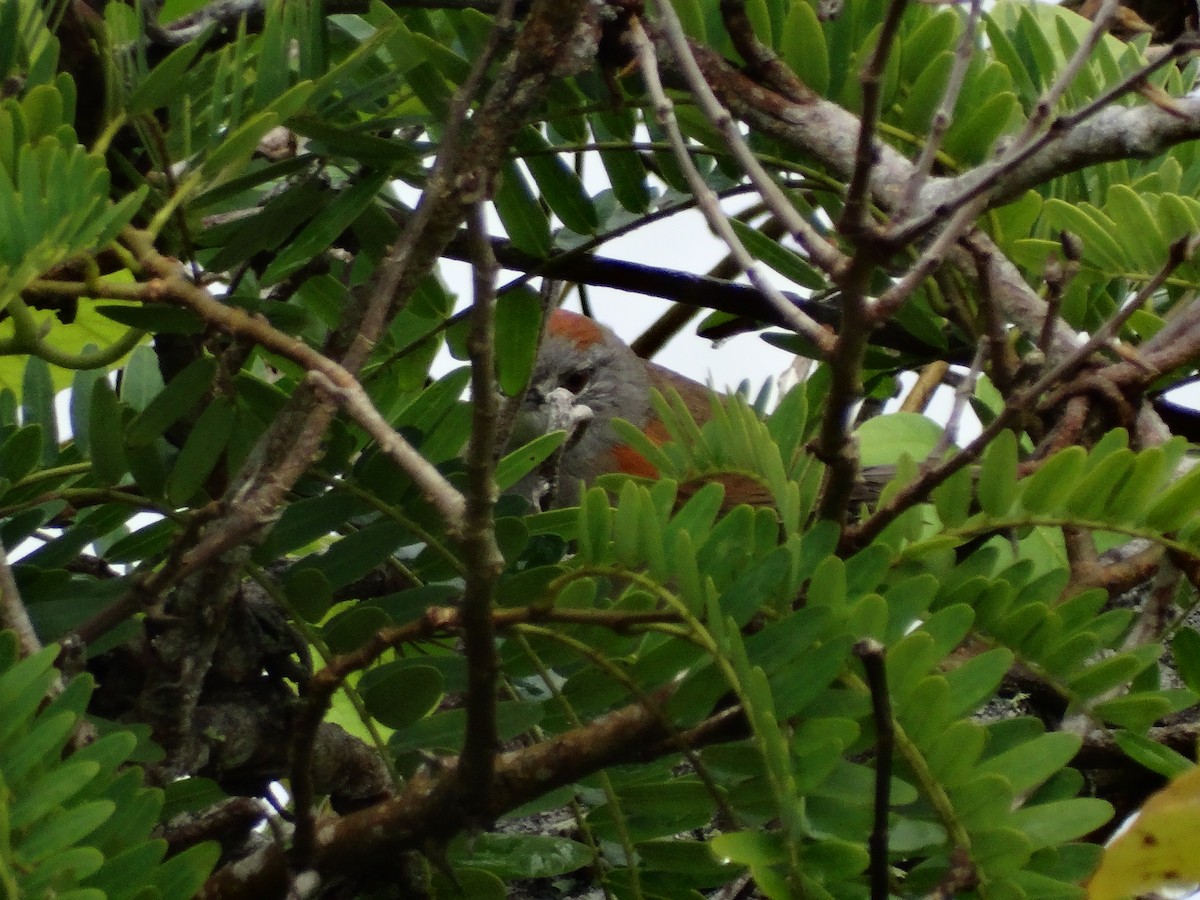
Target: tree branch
[[481, 554]]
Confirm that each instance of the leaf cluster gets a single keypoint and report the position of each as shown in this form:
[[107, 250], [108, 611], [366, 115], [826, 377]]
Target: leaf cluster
[[77, 823]]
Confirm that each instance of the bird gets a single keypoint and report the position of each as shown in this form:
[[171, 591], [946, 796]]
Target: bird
[[584, 377]]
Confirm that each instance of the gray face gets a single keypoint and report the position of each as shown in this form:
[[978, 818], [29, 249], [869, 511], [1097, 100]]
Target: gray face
[[606, 378], [602, 377]]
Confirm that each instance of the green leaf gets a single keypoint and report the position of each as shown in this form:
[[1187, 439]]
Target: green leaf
[[325, 227], [908, 662], [1050, 485], [518, 322], [1091, 496], [514, 856], [972, 136], [21, 453], [181, 876], [1177, 505], [190, 794], [398, 694], [975, 680], [788, 263], [998, 475], [50, 792], [1151, 754], [73, 864], [1149, 250], [37, 405], [1113, 671], [309, 593], [983, 801], [651, 810], [80, 400], [358, 553], [174, 402], [444, 730], [1141, 486], [350, 630], [625, 170], [129, 867], [304, 521], [1029, 764], [201, 451], [952, 498], [54, 834], [520, 462], [1185, 647], [906, 836], [926, 91], [22, 689], [148, 467], [274, 224], [1065, 820], [1100, 248], [560, 187], [799, 684], [47, 736], [1135, 711], [106, 438], [802, 46], [140, 379], [235, 150], [161, 86], [934, 36], [1176, 217], [524, 221], [884, 439]]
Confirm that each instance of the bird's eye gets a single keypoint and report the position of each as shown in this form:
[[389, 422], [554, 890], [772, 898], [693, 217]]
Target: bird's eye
[[576, 381]]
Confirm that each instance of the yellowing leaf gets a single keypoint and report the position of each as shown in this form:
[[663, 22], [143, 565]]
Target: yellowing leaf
[[1158, 848]]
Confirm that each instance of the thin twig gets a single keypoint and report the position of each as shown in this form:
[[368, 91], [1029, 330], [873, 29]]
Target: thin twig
[[441, 494], [836, 446], [1058, 277], [482, 556], [931, 257], [670, 323], [929, 379], [994, 323], [871, 653], [988, 180], [855, 214], [1019, 403], [13, 615], [962, 396], [943, 116], [761, 60], [705, 198], [1046, 103]]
